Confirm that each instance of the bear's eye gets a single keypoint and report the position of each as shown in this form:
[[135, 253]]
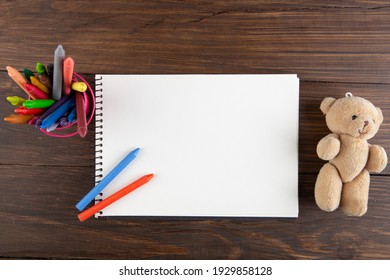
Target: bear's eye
[[373, 120], [354, 117]]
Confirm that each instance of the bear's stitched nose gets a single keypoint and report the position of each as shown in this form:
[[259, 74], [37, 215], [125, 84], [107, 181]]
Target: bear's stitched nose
[[366, 123]]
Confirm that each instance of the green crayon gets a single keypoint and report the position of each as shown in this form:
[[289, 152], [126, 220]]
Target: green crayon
[[27, 74], [41, 69], [38, 103]]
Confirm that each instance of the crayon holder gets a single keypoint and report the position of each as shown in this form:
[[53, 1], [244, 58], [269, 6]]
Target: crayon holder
[[89, 104]]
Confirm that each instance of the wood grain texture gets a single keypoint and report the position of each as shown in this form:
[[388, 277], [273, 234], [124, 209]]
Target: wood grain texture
[[334, 47]]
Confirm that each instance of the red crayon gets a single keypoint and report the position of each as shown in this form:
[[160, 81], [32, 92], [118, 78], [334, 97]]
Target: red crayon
[[114, 197], [81, 115], [24, 111], [35, 92]]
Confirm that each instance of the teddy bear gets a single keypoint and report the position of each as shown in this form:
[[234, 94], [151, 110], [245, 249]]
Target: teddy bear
[[345, 179]]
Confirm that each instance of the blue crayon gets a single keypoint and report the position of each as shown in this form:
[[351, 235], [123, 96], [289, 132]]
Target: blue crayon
[[72, 115], [106, 180], [58, 113], [52, 109]]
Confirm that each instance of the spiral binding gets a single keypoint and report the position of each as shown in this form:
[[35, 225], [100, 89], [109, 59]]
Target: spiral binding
[[99, 133]]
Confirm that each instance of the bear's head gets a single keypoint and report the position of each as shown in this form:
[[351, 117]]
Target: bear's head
[[352, 115]]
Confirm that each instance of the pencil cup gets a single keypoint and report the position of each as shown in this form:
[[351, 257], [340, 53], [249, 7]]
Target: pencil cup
[[89, 106]]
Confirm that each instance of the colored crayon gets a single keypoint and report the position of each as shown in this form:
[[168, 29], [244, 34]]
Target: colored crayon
[[16, 100], [114, 197], [58, 113], [49, 70], [40, 68], [35, 93], [107, 179], [52, 109], [44, 79], [38, 103], [59, 55], [18, 119], [68, 74], [25, 111], [79, 86], [28, 74], [72, 115], [81, 115], [17, 77], [35, 81]]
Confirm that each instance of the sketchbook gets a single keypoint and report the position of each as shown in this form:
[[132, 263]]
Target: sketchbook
[[218, 145]]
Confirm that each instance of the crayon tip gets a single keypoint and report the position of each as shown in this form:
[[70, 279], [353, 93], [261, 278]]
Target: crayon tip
[[136, 151], [10, 70], [41, 69], [83, 131], [12, 99], [148, 177], [59, 50]]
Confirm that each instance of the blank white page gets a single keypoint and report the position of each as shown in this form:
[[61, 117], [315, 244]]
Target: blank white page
[[219, 145]]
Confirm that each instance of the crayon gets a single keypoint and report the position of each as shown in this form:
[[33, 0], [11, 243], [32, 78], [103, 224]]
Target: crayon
[[18, 119], [52, 109], [81, 115], [17, 77], [79, 86], [58, 113], [44, 79], [49, 70], [72, 115], [25, 111], [27, 74], [107, 179], [64, 121], [16, 100], [38, 103], [114, 197], [35, 93], [35, 81], [52, 127], [68, 74], [40, 68], [59, 55]]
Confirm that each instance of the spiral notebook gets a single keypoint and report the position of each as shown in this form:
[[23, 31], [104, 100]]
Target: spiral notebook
[[219, 145]]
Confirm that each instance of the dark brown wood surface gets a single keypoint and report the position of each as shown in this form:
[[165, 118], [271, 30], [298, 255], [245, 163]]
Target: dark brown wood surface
[[333, 46]]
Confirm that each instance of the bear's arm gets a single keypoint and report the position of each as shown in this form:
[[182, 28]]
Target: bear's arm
[[377, 159], [328, 147]]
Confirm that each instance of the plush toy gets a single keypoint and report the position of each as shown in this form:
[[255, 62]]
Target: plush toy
[[345, 178]]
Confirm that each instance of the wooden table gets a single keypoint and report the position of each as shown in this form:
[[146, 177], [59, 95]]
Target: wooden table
[[333, 47]]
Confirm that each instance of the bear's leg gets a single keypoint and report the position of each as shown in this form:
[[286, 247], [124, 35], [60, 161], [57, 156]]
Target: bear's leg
[[327, 191], [354, 197]]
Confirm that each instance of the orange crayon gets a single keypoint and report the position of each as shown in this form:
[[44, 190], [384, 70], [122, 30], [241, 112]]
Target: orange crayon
[[17, 77], [18, 119], [114, 197], [68, 74]]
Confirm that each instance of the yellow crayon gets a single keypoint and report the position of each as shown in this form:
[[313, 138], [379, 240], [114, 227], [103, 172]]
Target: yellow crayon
[[79, 86], [18, 119], [17, 77], [38, 84], [16, 100]]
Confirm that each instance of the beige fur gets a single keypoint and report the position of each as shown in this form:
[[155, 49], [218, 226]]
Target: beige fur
[[345, 179]]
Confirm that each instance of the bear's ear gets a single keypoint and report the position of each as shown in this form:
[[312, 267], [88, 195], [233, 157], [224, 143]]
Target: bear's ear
[[326, 104], [380, 115]]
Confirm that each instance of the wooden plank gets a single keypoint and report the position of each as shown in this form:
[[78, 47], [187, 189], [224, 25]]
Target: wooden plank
[[341, 42], [40, 221]]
